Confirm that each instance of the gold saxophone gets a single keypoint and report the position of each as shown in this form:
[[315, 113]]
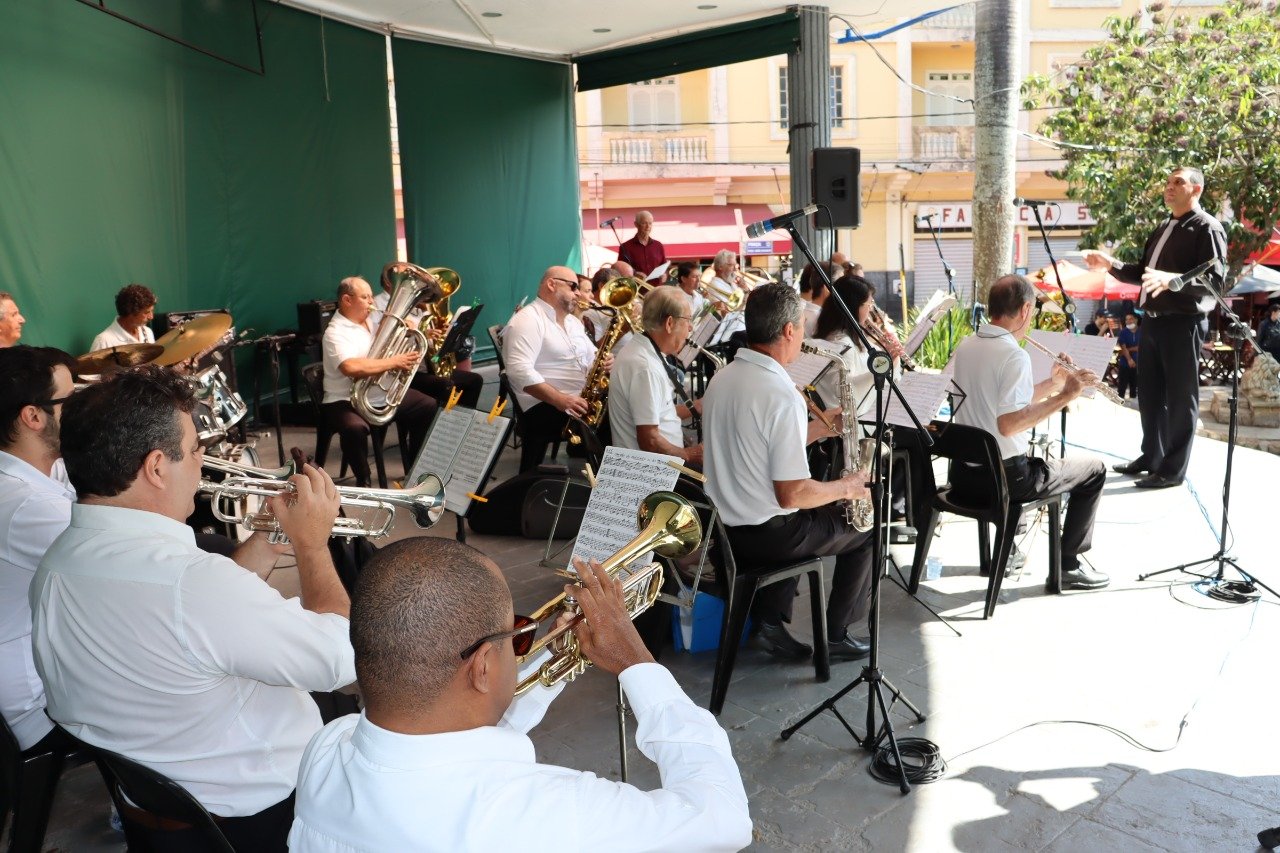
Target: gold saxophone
[[616, 297], [858, 451]]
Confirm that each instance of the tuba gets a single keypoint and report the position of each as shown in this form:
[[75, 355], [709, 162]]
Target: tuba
[[412, 284], [616, 296], [669, 526], [439, 317], [858, 452]]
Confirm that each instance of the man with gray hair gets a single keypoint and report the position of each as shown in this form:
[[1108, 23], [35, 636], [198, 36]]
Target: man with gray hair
[[11, 321], [995, 373], [643, 252], [643, 414], [754, 424], [723, 284]]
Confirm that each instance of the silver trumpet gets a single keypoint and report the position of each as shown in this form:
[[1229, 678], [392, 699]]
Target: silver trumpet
[[228, 500]]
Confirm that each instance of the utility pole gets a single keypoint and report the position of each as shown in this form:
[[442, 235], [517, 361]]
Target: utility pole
[[997, 77]]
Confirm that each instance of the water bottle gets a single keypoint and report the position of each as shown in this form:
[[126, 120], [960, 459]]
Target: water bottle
[[932, 569]]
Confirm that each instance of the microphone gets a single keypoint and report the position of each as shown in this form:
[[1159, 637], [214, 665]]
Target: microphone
[[609, 221], [757, 229], [928, 217], [1030, 202], [1180, 281]]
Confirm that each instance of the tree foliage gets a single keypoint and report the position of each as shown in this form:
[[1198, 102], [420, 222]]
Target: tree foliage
[[1166, 91]]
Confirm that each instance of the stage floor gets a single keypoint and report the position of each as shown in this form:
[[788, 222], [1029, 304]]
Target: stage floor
[[1060, 718]]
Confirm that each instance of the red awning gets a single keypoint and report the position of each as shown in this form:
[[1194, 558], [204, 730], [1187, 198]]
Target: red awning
[[687, 232]]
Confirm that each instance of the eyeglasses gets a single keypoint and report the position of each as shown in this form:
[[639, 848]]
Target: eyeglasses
[[521, 638], [573, 284], [681, 317], [50, 403]]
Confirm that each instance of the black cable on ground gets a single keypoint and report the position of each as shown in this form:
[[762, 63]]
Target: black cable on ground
[[921, 759]]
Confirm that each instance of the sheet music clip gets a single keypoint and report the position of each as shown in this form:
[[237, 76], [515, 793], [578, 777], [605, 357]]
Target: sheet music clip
[[498, 405], [455, 394]]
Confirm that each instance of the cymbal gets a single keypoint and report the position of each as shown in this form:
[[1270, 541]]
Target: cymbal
[[117, 358], [192, 339]]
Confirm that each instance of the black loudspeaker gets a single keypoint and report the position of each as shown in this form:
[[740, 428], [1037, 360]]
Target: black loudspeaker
[[836, 184]]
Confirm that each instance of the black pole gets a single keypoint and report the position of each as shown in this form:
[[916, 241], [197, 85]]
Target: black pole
[[951, 283], [1068, 308]]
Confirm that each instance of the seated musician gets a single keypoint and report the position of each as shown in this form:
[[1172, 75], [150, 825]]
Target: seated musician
[[547, 356], [725, 282], [813, 290], [347, 340], [688, 277], [995, 374], [440, 758], [11, 321], [173, 657], [832, 326], [643, 414], [758, 475], [135, 306]]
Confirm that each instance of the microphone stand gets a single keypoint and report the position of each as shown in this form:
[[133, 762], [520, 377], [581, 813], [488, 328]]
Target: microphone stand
[[614, 229], [1238, 331], [951, 284], [1068, 308], [272, 344], [882, 369]]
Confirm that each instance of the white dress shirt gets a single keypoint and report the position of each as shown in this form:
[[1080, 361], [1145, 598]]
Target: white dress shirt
[[363, 788], [994, 373], [754, 426], [537, 349], [697, 303], [810, 318], [34, 509], [734, 321], [180, 659], [116, 336], [344, 339], [641, 394], [380, 303]]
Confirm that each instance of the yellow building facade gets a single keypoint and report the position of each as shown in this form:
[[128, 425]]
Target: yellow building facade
[[684, 145]]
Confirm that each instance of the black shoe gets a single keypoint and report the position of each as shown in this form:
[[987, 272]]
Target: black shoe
[[849, 648], [1137, 466], [775, 640], [1158, 481], [1082, 578]]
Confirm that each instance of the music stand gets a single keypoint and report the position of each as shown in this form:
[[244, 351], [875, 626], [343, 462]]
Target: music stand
[[458, 332]]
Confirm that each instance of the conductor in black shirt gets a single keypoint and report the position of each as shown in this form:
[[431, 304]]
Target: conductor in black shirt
[[1174, 325]]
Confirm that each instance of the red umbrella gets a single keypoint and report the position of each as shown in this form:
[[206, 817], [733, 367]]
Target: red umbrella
[[1081, 283]]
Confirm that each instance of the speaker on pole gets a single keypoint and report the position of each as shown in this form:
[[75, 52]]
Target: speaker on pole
[[836, 184]]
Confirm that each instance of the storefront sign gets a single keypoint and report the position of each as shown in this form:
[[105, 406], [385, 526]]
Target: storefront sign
[[958, 216]]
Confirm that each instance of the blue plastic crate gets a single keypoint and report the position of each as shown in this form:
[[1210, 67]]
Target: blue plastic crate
[[708, 613]]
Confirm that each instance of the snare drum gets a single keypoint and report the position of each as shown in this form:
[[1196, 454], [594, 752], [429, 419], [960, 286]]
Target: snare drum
[[212, 389]]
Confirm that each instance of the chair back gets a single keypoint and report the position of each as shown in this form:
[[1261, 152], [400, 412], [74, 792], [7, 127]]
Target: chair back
[[495, 335], [975, 450], [313, 377], [720, 552], [158, 794], [10, 769]]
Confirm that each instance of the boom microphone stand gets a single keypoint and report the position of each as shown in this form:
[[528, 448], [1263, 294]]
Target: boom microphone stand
[[1238, 331], [882, 369], [951, 281], [1068, 304]]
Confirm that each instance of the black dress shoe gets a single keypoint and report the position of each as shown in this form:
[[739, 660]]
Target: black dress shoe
[[849, 648], [1157, 481], [1137, 466], [1082, 578], [777, 641]]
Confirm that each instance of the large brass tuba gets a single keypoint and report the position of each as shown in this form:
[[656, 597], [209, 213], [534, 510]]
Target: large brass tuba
[[439, 317], [616, 296], [410, 285], [670, 527]]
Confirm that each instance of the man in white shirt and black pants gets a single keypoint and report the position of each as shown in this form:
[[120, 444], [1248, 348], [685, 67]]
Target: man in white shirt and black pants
[[439, 760], [547, 355], [994, 372], [173, 657], [755, 432]]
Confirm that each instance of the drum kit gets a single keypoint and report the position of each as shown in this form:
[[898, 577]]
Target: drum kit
[[218, 407]]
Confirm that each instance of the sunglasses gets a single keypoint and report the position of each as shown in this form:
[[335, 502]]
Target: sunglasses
[[521, 638]]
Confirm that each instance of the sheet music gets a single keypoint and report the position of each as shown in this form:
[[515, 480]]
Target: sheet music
[[448, 431], [700, 336], [937, 306], [459, 450], [1092, 352], [807, 367], [658, 272], [625, 478], [924, 392]]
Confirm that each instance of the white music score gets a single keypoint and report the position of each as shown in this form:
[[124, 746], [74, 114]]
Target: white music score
[[924, 392], [1092, 352], [460, 450], [625, 478], [808, 367]]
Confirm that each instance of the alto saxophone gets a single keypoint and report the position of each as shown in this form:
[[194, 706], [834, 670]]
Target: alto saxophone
[[616, 296], [858, 451]]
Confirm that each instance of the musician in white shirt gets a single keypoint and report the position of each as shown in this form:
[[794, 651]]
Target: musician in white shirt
[[347, 341], [688, 277], [726, 281], [547, 355], [439, 760], [832, 326], [173, 657], [754, 426], [135, 307], [643, 414]]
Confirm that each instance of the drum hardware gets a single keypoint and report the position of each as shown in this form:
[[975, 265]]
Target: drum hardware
[[116, 358]]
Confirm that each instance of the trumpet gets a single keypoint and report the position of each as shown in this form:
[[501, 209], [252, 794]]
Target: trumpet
[[669, 527], [424, 501], [1102, 388]]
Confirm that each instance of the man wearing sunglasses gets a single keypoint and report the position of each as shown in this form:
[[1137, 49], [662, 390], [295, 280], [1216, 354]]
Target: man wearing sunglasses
[[439, 760]]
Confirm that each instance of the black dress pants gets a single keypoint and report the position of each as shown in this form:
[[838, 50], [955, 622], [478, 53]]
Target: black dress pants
[[819, 532], [540, 425], [412, 418], [470, 384], [1169, 390]]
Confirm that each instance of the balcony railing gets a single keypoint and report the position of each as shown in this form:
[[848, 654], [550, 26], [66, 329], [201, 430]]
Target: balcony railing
[[956, 19], [943, 143], [658, 149]]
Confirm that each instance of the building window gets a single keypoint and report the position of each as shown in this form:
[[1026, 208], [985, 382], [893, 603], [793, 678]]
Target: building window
[[654, 104], [941, 104], [835, 96]]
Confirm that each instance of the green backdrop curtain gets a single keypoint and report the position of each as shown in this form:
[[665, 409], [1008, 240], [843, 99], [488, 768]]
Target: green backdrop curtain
[[124, 157], [489, 170]]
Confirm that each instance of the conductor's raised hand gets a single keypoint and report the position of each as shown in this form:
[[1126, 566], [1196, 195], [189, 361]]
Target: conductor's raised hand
[[606, 633], [1096, 260], [306, 517]]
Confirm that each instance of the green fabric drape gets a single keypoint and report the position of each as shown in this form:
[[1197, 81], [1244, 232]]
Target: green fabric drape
[[124, 157], [489, 170]]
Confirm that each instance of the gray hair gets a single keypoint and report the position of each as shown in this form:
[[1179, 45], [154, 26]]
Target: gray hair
[[347, 287], [1008, 295], [724, 258], [770, 307], [6, 297], [643, 214], [663, 302]]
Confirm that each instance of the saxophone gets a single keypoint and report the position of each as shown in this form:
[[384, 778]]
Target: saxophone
[[858, 451], [615, 298]]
